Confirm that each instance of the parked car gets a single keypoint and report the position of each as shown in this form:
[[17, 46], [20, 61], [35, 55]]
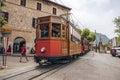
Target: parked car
[[115, 51]]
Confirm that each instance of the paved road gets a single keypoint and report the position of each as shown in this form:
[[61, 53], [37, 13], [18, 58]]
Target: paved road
[[90, 67]]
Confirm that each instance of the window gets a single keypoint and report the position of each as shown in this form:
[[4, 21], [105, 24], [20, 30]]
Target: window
[[54, 11], [39, 6], [6, 16], [75, 40], [34, 22], [63, 32], [23, 2], [55, 30], [44, 30]]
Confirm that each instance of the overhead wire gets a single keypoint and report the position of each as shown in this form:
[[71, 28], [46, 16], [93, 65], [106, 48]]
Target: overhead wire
[[73, 16], [78, 21]]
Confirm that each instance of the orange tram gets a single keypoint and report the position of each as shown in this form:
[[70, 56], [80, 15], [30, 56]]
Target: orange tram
[[58, 39]]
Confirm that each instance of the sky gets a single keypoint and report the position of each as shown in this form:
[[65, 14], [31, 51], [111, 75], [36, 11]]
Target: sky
[[94, 14]]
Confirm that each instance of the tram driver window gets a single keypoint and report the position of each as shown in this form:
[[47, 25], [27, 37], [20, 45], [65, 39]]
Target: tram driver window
[[44, 29], [55, 30]]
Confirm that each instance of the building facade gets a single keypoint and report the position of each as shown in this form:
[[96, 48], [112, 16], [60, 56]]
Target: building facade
[[22, 15]]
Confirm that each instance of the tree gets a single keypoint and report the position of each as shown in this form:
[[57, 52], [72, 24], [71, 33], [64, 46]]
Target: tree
[[85, 32], [91, 37], [117, 30], [3, 20], [117, 25], [118, 40], [79, 30]]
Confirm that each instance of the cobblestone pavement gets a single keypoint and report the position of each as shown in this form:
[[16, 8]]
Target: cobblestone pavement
[[93, 66]]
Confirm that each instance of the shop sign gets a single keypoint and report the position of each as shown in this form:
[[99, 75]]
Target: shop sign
[[5, 32]]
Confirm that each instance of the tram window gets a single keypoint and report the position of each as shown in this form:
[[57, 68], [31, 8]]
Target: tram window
[[44, 30], [55, 30], [75, 40], [63, 31]]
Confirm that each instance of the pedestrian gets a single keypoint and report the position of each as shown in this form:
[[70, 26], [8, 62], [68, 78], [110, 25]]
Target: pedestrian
[[23, 53], [8, 52]]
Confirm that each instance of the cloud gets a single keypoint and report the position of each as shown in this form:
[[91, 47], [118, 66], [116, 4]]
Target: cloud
[[95, 14]]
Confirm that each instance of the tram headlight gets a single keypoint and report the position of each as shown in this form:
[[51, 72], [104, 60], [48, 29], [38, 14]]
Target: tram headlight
[[43, 50]]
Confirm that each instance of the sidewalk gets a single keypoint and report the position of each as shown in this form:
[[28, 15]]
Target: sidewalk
[[18, 55], [13, 64]]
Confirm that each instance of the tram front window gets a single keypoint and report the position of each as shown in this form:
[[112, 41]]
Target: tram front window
[[44, 29], [55, 30]]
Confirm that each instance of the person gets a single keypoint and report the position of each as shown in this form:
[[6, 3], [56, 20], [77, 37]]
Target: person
[[2, 49], [33, 50], [23, 53], [9, 50]]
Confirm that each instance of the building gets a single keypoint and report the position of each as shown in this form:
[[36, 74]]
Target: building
[[22, 15], [114, 42]]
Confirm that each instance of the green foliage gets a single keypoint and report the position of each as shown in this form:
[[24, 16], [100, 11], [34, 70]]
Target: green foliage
[[79, 30], [107, 45], [3, 4], [2, 19], [85, 32], [91, 37], [117, 23], [118, 40], [117, 30]]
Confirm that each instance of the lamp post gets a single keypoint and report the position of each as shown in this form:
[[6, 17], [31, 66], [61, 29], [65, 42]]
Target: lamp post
[[2, 47], [96, 42]]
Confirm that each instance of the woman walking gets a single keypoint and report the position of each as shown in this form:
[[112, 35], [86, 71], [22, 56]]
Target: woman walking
[[8, 53], [9, 50], [23, 53]]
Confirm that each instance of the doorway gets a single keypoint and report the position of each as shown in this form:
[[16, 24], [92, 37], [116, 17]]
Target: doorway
[[18, 43]]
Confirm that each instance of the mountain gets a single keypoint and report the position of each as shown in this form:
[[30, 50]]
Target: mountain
[[103, 38]]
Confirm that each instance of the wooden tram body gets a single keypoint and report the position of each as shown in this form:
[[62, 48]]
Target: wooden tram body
[[56, 39]]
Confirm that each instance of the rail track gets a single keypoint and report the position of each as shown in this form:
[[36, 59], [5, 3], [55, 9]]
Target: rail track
[[36, 73]]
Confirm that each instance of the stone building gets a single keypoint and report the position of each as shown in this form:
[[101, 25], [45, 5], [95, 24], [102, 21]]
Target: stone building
[[22, 15]]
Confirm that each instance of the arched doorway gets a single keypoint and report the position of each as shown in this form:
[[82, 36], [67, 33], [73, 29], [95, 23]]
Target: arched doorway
[[18, 43]]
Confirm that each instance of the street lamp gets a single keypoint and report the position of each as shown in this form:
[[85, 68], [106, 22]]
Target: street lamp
[[96, 42]]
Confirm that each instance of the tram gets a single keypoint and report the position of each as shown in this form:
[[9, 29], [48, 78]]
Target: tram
[[57, 39]]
